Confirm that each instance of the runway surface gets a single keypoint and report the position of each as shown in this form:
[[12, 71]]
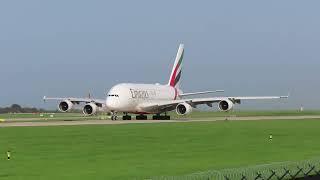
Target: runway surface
[[7, 123]]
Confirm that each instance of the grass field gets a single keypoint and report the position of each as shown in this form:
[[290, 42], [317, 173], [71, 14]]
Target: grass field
[[147, 150]]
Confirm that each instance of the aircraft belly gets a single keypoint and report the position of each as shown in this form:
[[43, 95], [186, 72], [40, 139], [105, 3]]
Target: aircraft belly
[[148, 110]]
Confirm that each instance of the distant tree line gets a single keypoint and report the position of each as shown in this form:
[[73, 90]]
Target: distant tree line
[[16, 108]]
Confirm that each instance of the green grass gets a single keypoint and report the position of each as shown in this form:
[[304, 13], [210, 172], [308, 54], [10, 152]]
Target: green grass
[[147, 150]]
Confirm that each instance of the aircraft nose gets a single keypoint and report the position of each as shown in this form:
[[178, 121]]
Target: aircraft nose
[[111, 103]]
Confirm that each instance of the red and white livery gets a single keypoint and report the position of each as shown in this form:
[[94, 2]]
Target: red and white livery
[[156, 99]]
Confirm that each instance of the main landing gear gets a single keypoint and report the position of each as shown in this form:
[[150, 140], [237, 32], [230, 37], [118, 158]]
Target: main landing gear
[[141, 117], [126, 117], [155, 117], [159, 117]]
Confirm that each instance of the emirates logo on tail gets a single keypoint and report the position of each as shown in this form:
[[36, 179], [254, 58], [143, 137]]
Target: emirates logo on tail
[[176, 70]]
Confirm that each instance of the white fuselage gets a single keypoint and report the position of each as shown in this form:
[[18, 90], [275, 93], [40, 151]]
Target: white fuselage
[[131, 97]]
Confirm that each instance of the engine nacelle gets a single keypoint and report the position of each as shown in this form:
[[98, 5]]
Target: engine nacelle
[[65, 106], [90, 109], [183, 109], [225, 105]]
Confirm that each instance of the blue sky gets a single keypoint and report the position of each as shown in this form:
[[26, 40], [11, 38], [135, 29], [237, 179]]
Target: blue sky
[[68, 48]]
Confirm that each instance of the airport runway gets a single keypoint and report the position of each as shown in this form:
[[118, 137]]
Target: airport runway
[[109, 122]]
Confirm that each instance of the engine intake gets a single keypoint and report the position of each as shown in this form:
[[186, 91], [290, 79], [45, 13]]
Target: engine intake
[[65, 106], [90, 109], [225, 105], [183, 109]]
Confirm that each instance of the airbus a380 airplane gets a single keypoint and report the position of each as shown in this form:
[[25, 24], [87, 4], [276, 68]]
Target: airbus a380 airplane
[[142, 99]]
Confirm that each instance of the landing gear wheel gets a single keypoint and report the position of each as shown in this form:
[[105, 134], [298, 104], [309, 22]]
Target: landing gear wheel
[[114, 116], [159, 117], [126, 117], [142, 117], [155, 117]]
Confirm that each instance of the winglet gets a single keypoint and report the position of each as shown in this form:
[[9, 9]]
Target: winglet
[[287, 96]]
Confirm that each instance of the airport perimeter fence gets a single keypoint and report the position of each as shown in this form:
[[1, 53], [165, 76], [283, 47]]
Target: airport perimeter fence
[[274, 171]]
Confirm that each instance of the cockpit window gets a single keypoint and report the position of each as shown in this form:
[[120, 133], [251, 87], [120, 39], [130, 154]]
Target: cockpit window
[[113, 95]]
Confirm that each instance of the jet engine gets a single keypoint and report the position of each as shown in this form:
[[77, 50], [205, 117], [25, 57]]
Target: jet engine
[[65, 106], [90, 109], [225, 105], [183, 109]]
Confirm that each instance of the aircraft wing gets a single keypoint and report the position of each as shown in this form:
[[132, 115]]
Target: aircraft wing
[[76, 100], [198, 93], [170, 105]]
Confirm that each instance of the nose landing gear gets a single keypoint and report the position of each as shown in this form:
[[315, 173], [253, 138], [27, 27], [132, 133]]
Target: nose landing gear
[[114, 116]]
